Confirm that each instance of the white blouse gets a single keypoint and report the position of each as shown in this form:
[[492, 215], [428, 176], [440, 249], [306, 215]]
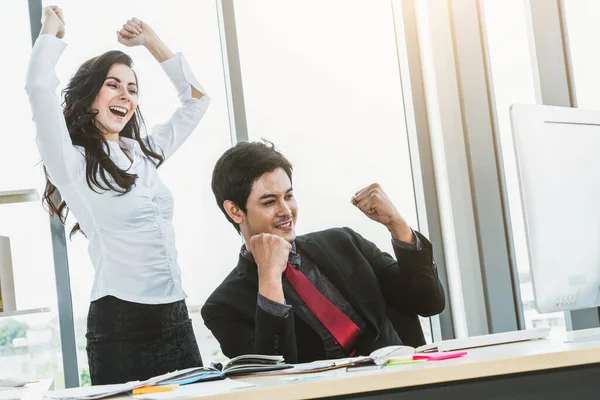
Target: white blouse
[[131, 237]]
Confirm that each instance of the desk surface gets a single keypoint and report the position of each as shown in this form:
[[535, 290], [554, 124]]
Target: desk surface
[[478, 363]]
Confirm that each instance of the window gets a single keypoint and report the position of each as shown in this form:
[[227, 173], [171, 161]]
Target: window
[[18, 155], [30, 347], [582, 17], [26, 224], [324, 86], [512, 81]]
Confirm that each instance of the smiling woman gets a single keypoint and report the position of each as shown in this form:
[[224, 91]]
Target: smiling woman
[[94, 122], [96, 153]]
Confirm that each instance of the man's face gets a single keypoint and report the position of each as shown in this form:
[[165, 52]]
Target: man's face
[[271, 207]]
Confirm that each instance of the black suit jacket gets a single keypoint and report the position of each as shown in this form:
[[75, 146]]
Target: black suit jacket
[[372, 281]]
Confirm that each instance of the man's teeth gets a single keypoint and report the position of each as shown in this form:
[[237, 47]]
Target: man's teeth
[[284, 225], [118, 110]]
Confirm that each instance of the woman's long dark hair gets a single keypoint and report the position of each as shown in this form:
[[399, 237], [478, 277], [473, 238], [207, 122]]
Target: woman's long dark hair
[[79, 116]]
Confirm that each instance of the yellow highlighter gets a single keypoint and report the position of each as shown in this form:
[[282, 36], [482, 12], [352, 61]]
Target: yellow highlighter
[[154, 389], [400, 362]]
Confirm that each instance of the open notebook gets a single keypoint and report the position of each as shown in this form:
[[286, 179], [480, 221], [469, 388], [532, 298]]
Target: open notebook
[[242, 365]]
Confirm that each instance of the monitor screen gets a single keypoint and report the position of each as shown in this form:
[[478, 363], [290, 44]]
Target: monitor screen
[[557, 151]]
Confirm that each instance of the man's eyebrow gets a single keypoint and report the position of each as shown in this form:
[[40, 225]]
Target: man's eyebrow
[[267, 196], [271, 195]]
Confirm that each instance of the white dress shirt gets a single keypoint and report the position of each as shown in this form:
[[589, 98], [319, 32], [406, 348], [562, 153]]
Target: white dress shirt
[[131, 237]]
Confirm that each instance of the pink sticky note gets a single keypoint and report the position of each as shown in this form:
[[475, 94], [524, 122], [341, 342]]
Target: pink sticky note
[[440, 355]]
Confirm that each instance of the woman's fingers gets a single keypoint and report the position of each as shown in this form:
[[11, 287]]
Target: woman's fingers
[[138, 23], [130, 29], [59, 13], [132, 25], [126, 35]]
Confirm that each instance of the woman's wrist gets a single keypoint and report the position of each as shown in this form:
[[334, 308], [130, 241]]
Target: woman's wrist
[[158, 49], [49, 29]]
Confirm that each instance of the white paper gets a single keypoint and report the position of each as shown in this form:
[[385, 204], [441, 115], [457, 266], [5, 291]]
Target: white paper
[[198, 389], [100, 391], [320, 364], [92, 392], [12, 382], [11, 394], [311, 366], [300, 377]]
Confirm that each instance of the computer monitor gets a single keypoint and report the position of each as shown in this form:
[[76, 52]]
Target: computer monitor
[[557, 151]]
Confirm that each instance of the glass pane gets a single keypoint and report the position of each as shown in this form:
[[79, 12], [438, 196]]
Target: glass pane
[[27, 227], [512, 79], [192, 28], [30, 347], [24, 338], [324, 86], [18, 155], [582, 24]]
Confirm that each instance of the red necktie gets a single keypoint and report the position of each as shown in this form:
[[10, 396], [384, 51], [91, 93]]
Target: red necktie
[[337, 323]]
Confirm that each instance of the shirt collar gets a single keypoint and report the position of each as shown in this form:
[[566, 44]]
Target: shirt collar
[[117, 151], [128, 144]]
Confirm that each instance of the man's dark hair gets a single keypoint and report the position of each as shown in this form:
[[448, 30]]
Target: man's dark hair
[[239, 167]]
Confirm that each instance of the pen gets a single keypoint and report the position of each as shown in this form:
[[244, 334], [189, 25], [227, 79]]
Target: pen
[[154, 389]]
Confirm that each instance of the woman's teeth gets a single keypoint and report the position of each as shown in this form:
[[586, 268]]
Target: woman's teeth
[[120, 111]]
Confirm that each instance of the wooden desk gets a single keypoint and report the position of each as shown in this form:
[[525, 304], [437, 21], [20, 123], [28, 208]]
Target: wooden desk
[[542, 369]]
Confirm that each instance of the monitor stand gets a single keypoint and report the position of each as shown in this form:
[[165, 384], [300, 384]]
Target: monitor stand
[[583, 335]]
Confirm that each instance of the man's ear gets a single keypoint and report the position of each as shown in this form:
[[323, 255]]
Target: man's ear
[[234, 212]]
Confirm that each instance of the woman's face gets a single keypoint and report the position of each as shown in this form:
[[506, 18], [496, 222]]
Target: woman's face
[[117, 99]]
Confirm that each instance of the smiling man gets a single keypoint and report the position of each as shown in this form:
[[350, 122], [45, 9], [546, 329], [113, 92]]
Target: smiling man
[[328, 294]]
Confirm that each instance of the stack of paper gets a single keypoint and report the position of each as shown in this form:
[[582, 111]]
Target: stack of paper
[[101, 391], [94, 392], [246, 364], [13, 382], [199, 389]]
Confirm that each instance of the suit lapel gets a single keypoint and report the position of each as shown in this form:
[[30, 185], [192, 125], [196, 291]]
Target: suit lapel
[[247, 270]]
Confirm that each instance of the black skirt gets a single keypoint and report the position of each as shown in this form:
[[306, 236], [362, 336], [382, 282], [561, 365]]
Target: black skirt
[[130, 341]]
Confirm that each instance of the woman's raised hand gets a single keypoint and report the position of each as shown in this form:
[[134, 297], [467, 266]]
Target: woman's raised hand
[[138, 33], [53, 22], [135, 33]]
